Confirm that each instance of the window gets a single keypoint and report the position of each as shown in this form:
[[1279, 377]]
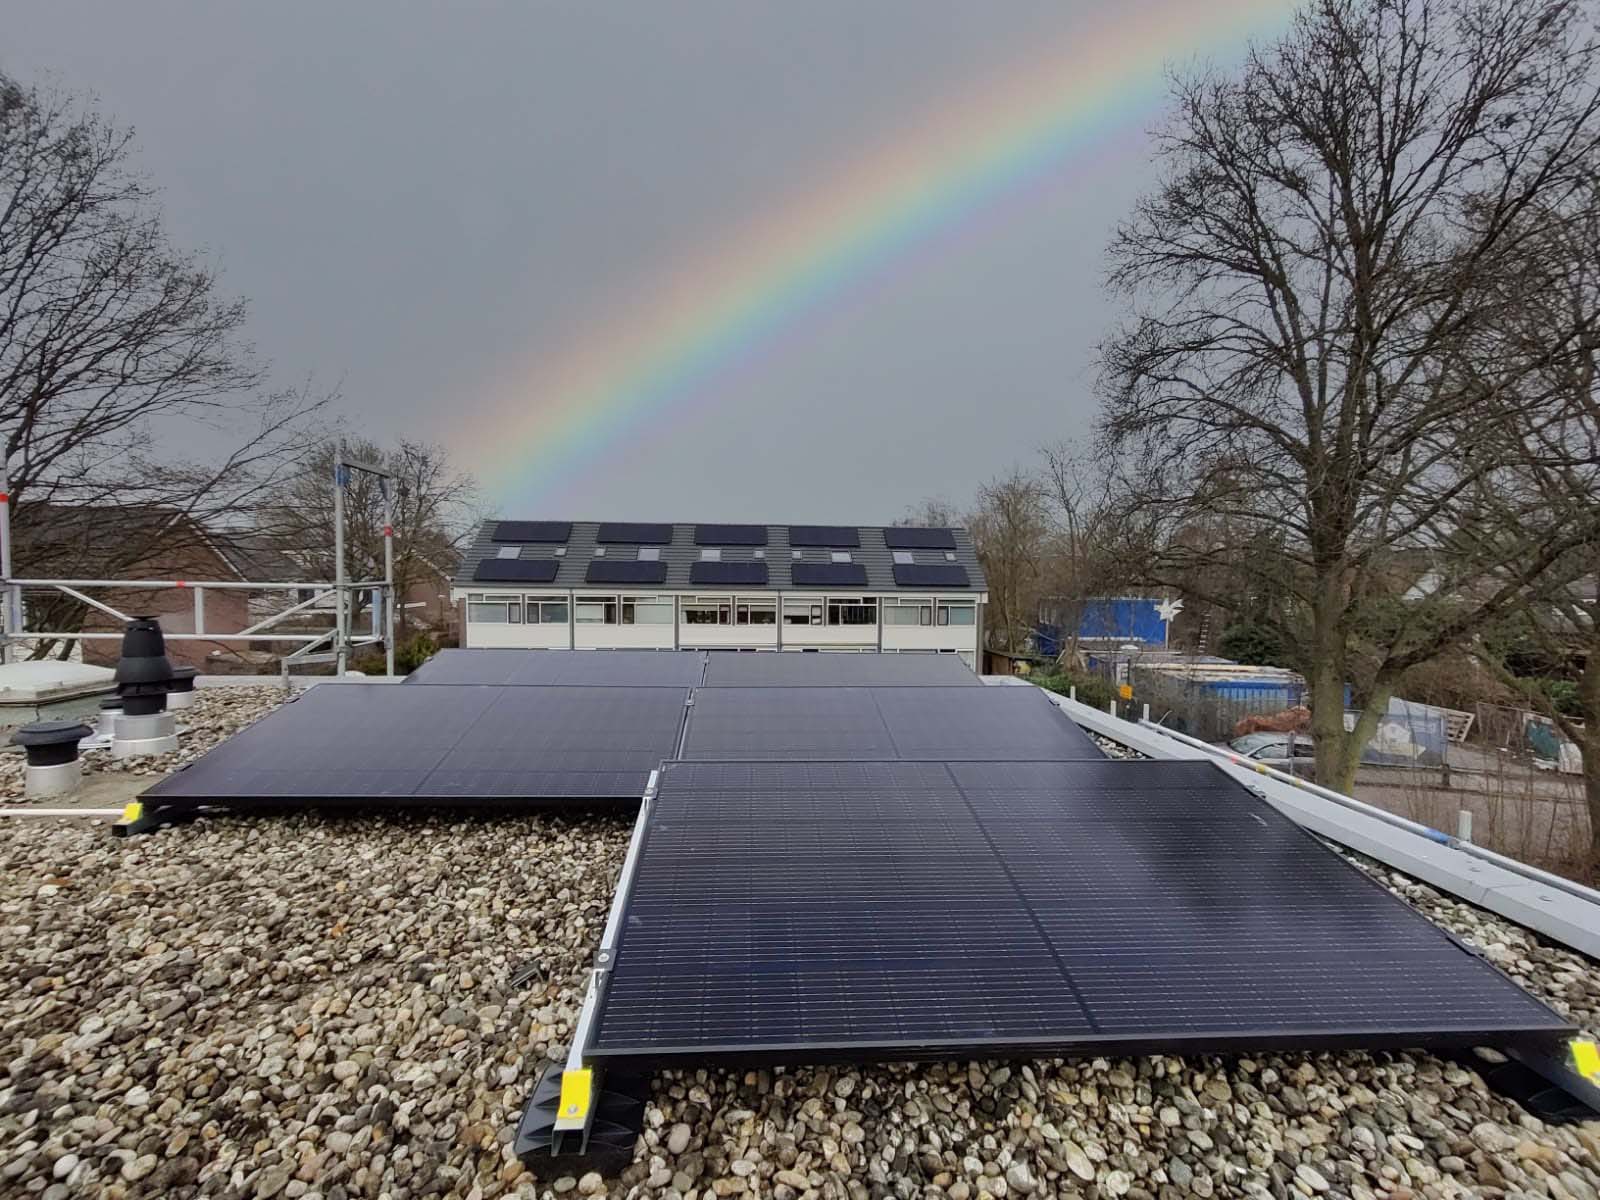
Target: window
[[839, 555], [711, 556], [801, 612], [494, 610], [647, 610], [546, 612], [707, 610], [560, 551], [599, 551], [904, 558], [957, 613], [756, 612], [852, 610], [597, 610], [758, 553], [795, 554], [907, 611], [649, 553], [509, 552], [949, 556]]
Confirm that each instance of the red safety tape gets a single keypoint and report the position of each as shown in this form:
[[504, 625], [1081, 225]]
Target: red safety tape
[[5, 497], [388, 531], [181, 583]]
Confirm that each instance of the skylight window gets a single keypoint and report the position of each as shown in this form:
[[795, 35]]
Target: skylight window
[[759, 553], [840, 556], [710, 555], [649, 553], [560, 551], [599, 551], [949, 556], [509, 552], [904, 557]]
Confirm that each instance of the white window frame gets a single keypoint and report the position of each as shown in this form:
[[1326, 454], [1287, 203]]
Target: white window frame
[[509, 604], [842, 602], [722, 605], [810, 610], [628, 609], [745, 608], [946, 607], [536, 605], [923, 605], [607, 605]]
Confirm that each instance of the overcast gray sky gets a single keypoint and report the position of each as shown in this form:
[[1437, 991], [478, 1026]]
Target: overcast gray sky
[[434, 207]]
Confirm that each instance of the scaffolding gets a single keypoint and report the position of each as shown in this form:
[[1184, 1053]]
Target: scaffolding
[[333, 645]]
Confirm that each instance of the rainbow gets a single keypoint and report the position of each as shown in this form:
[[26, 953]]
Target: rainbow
[[549, 419]]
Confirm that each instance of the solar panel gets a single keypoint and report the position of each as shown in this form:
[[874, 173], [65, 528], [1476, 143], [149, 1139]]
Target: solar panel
[[942, 575], [545, 668], [357, 742], [807, 574], [838, 670], [881, 723], [796, 911], [634, 532], [824, 535], [730, 535], [747, 574], [610, 570], [531, 531], [902, 537], [516, 570]]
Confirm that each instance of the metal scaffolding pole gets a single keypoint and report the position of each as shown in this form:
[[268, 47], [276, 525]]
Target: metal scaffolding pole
[[390, 599], [340, 620]]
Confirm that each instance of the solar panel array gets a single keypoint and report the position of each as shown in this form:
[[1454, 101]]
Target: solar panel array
[[532, 531], [839, 536], [562, 668], [838, 670], [635, 532], [516, 570], [829, 574], [790, 911], [881, 723], [730, 535], [728, 574], [612, 570], [934, 575], [468, 742], [902, 537]]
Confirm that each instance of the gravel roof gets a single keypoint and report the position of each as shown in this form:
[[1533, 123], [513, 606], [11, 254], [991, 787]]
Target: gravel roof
[[301, 1006]]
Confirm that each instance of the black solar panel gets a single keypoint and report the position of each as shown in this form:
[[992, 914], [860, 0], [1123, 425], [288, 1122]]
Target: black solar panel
[[730, 535], [516, 570], [941, 575], [731, 573], [612, 532], [824, 535], [838, 670], [808, 574], [796, 911], [531, 531], [544, 668], [610, 570], [881, 723], [355, 742], [902, 537]]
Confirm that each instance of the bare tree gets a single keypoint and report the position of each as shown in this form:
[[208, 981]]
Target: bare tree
[[435, 509], [1085, 556], [112, 345], [1309, 264], [1011, 531], [1545, 443]]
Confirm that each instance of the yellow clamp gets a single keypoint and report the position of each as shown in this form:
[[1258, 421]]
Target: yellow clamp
[[577, 1088], [132, 811], [1586, 1058]]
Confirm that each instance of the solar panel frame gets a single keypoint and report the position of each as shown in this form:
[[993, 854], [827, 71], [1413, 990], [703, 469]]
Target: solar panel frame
[[640, 533], [909, 537], [549, 532], [707, 573], [612, 570], [730, 535], [824, 535], [357, 744], [804, 912], [516, 570], [834, 575], [935, 575]]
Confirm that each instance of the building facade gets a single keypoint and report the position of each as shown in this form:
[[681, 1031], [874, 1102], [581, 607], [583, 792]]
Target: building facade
[[614, 585]]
